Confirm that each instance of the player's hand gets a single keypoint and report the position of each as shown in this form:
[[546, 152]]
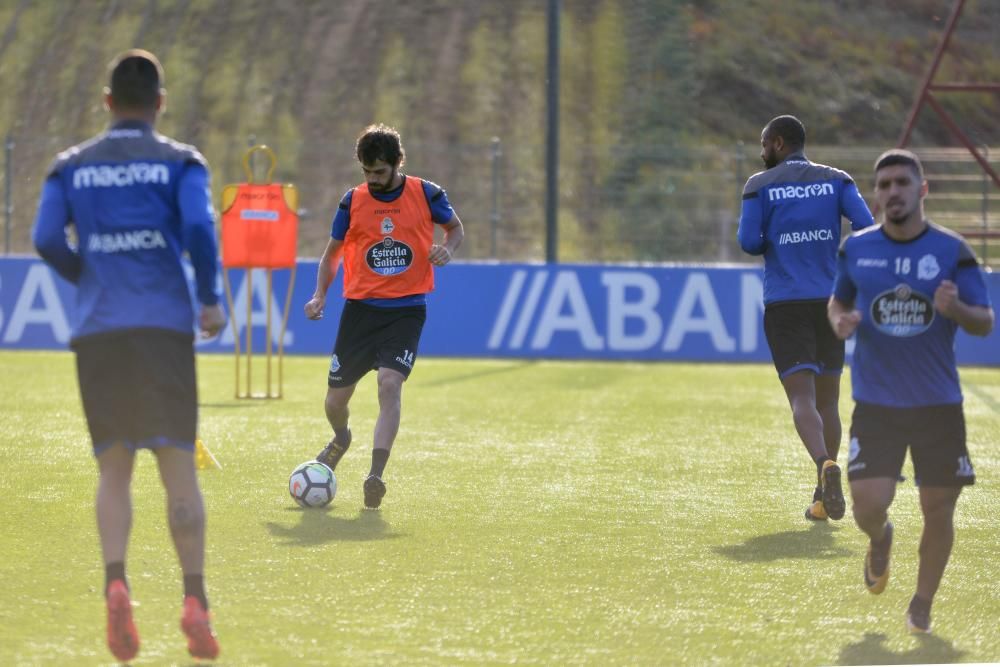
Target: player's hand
[[314, 307], [211, 320], [946, 298], [846, 323], [439, 255]]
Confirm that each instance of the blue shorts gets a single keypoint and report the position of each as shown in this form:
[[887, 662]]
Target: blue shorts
[[138, 388]]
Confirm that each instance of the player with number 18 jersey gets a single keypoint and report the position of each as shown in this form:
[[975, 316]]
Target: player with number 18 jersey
[[905, 356]]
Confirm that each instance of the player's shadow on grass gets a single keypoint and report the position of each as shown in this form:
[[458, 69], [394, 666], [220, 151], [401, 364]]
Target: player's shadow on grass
[[479, 374], [814, 542], [229, 405], [872, 651], [319, 527]]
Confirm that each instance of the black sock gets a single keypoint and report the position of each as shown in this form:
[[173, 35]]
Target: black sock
[[194, 584], [342, 435], [920, 605], [819, 465], [885, 534], [113, 571], [379, 459]]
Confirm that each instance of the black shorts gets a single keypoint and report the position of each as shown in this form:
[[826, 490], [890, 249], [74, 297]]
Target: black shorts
[[800, 338], [138, 388], [370, 338], [934, 434]]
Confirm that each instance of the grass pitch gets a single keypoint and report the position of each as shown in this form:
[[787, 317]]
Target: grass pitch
[[537, 513]]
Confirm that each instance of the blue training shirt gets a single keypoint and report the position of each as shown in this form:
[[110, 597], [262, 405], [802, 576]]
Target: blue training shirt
[[904, 354], [441, 213], [791, 214], [137, 200]]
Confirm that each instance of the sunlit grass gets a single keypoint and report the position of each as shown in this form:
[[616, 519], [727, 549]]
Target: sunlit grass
[[537, 513]]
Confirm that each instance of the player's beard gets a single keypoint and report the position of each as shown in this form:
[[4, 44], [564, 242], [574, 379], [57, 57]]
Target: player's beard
[[378, 187], [900, 217]]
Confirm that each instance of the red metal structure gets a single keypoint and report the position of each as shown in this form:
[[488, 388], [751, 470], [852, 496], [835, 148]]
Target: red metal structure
[[927, 88]]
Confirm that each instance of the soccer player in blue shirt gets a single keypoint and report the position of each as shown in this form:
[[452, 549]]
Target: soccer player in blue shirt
[[136, 200], [905, 287], [792, 216]]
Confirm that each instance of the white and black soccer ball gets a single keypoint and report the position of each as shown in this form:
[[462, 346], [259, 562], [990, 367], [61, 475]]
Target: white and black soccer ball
[[312, 484]]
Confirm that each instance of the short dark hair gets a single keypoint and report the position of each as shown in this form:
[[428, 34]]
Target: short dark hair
[[788, 128], [380, 142], [896, 156], [135, 80]]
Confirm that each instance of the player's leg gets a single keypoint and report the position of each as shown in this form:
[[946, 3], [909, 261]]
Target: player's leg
[[104, 366], [878, 448], [338, 414], [390, 406], [114, 522], [941, 466], [792, 337], [166, 392], [395, 357], [828, 406], [185, 510], [186, 518], [871, 500], [801, 390], [390, 403], [938, 506], [114, 502], [830, 355], [353, 356]]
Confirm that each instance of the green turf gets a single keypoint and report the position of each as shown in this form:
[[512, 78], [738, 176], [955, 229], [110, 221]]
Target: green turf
[[537, 513]]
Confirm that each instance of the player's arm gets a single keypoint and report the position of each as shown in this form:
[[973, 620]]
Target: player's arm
[[198, 233], [49, 234], [330, 261], [966, 300], [844, 317], [976, 320], [325, 274], [443, 214], [750, 232], [854, 207], [454, 234]]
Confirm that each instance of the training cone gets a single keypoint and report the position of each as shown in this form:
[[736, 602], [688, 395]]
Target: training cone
[[203, 458]]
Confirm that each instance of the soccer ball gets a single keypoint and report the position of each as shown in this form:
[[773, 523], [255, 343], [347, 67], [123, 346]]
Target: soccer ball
[[312, 484]]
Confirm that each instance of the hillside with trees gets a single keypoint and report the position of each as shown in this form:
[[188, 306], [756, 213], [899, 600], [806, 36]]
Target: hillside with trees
[[656, 98]]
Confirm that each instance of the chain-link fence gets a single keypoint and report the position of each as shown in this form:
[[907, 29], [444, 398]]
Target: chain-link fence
[[687, 211]]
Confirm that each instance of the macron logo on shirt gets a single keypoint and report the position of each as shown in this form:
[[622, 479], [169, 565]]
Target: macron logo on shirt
[[799, 191], [122, 175]]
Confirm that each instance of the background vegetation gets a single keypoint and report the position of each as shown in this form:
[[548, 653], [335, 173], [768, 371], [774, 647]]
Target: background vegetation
[[656, 96]]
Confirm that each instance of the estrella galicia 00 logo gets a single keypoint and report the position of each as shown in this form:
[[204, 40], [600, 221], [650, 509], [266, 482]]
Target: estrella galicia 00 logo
[[389, 257], [902, 312]]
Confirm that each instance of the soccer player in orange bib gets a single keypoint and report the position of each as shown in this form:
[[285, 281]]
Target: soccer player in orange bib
[[385, 229]]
